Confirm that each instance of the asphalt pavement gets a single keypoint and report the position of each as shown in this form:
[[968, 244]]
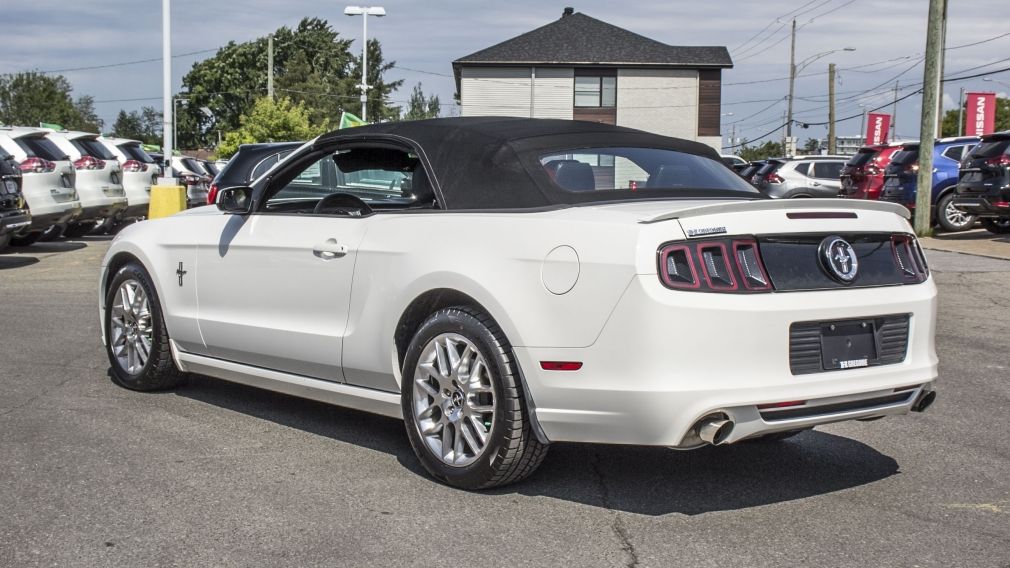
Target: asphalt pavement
[[216, 474]]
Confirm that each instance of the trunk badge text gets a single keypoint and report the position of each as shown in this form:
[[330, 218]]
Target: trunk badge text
[[706, 231]]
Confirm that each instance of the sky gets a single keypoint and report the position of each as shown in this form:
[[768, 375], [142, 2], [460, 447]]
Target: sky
[[423, 37]]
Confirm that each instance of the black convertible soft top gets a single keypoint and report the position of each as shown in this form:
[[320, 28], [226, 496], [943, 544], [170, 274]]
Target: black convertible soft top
[[493, 162]]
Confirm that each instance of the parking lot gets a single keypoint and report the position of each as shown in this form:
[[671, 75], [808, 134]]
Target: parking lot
[[220, 474]]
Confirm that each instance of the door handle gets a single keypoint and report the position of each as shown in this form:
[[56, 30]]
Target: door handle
[[328, 249], [816, 184]]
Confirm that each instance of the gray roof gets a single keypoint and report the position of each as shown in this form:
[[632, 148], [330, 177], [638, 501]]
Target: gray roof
[[580, 39]]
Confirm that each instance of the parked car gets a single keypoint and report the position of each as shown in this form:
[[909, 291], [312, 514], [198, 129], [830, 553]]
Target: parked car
[[192, 175], [14, 214], [210, 168], [498, 305], [983, 189], [767, 167], [803, 176], [47, 181], [733, 161], [863, 175], [140, 172], [250, 162], [752, 168], [901, 180], [99, 180]]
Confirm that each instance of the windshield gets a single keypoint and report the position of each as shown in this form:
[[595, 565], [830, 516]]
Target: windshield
[[626, 170], [862, 158]]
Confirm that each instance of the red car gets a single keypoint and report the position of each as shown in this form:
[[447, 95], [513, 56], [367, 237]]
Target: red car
[[863, 175]]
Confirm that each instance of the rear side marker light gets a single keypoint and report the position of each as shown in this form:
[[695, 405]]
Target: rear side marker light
[[715, 267], [781, 404], [561, 365], [679, 269]]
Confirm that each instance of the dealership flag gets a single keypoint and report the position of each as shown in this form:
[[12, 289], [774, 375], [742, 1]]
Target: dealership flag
[[877, 126], [980, 116], [348, 120]]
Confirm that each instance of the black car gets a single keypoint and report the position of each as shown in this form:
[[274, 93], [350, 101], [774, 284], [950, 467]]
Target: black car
[[983, 186], [14, 213], [752, 168], [250, 162]]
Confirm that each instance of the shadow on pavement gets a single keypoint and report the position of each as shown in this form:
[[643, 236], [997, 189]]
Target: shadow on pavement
[[633, 479], [54, 246], [16, 261]]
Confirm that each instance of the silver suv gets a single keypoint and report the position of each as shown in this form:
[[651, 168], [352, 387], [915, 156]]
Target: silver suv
[[804, 176]]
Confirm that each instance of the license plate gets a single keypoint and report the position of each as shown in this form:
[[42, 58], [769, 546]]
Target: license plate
[[115, 177], [848, 345], [12, 187]]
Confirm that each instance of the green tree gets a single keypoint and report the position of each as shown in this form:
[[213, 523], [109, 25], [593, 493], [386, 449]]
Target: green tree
[[144, 125], [30, 97], [419, 106], [313, 65], [1002, 118], [811, 146], [767, 150], [270, 121]]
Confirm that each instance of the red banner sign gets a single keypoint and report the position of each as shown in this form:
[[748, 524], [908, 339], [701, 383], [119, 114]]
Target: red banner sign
[[980, 115], [877, 126]]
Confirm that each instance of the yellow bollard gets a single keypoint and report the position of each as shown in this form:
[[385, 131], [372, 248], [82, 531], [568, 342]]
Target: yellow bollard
[[166, 200]]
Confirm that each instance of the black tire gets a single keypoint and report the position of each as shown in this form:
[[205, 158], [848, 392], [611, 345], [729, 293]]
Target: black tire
[[5, 240], [513, 446], [945, 222], [997, 225], [159, 372], [26, 239], [78, 230]]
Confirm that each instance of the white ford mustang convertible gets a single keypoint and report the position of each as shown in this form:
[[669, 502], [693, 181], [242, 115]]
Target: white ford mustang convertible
[[501, 284]]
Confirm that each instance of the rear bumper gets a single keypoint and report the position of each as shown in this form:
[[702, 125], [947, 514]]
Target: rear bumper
[[43, 217], [14, 221], [982, 206], [666, 359], [100, 208]]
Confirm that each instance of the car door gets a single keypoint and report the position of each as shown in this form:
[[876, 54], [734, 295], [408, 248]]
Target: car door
[[827, 177], [274, 286]]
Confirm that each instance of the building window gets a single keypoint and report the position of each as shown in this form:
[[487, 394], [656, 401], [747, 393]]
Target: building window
[[595, 91]]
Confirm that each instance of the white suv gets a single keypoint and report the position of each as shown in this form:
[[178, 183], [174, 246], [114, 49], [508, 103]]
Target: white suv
[[140, 172], [99, 179], [48, 180], [192, 175]]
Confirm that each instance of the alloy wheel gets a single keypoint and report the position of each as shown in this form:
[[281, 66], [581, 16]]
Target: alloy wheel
[[131, 332], [453, 399], [955, 216]]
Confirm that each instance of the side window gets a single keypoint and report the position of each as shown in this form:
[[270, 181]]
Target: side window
[[954, 153], [383, 178], [267, 163], [802, 168], [827, 170]]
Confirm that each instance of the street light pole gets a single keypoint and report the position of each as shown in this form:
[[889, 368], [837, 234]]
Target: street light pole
[[166, 101], [792, 81], [364, 12]]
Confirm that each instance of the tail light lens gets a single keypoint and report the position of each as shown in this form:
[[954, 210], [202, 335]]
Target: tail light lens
[[89, 163], [134, 166], [872, 170], [913, 168], [998, 161], [909, 258], [37, 166], [774, 178], [212, 194], [722, 265]]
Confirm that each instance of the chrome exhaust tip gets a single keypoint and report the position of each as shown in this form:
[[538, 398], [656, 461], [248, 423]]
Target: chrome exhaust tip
[[714, 430], [925, 400]]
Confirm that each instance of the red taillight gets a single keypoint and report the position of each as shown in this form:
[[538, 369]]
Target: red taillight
[[89, 163], [37, 166], [786, 404], [561, 365], [212, 194], [134, 166], [774, 178], [718, 265], [909, 259], [912, 167], [1003, 204], [872, 170], [998, 161]]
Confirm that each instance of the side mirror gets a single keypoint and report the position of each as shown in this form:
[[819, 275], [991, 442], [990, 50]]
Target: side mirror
[[235, 200]]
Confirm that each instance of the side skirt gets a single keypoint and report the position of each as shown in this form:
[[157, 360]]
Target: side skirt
[[367, 400]]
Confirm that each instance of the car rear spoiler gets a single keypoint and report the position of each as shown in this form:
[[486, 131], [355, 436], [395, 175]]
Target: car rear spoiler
[[780, 205]]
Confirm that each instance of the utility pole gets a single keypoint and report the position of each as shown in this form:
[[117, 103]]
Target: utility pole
[[831, 109], [862, 125], [894, 114], [927, 124], [166, 85], [960, 114], [792, 81], [939, 77], [270, 66]]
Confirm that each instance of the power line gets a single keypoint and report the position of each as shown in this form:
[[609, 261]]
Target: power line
[[124, 63]]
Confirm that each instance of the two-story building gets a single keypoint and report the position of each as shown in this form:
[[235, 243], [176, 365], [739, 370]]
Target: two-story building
[[581, 68]]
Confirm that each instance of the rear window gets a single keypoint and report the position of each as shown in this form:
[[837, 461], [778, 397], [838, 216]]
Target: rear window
[[41, 148], [903, 157], [627, 169], [991, 149], [135, 152], [767, 168], [193, 165], [262, 167], [862, 157], [93, 148]]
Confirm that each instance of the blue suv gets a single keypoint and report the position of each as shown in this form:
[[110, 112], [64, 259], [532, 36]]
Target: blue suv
[[901, 175]]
